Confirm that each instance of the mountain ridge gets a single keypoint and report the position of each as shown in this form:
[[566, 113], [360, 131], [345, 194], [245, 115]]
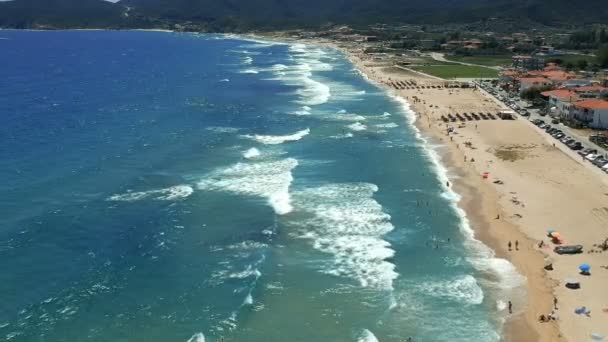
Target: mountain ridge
[[229, 15]]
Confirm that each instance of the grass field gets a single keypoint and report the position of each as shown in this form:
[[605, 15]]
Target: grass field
[[457, 71], [482, 60]]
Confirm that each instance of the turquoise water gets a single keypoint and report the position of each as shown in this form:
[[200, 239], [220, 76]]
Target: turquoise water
[[178, 187]]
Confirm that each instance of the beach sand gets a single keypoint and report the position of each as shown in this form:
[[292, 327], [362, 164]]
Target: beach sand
[[542, 186]]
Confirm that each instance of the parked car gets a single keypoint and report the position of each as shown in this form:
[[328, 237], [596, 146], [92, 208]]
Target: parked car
[[600, 162], [577, 146], [591, 157]]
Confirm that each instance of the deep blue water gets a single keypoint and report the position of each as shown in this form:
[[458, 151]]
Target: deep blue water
[[178, 187]]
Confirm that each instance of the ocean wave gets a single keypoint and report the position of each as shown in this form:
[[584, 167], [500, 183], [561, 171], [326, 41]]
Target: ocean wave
[[343, 116], [304, 110], [387, 125], [247, 60], [225, 80], [267, 179], [198, 337], [367, 336], [462, 289], [347, 223], [278, 139], [249, 71], [168, 194], [220, 129], [252, 153]]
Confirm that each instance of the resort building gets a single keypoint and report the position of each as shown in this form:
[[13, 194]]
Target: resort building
[[525, 62], [533, 82], [593, 113], [560, 101]]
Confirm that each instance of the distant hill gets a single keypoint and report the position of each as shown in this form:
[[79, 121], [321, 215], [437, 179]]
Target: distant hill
[[219, 15]]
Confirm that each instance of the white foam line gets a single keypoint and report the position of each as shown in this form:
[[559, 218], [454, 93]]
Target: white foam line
[[278, 139], [484, 258]]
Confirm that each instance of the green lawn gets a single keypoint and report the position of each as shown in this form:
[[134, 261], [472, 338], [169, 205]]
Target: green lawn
[[482, 60], [457, 71], [574, 58]]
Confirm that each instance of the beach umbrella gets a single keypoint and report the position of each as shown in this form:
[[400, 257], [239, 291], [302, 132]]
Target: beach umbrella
[[597, 337], [550, 231], [585, 267], [556, 235]]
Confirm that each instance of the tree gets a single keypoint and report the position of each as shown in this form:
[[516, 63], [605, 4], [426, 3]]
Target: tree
[[569, 66], [602, 56], [582, 64], [533, 93]]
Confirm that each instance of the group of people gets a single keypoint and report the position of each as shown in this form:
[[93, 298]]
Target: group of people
[[516, 245], [552, 316]]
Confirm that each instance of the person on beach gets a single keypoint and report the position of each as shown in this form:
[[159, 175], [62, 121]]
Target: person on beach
[[555, 303], [541, 244], [516, 245], [497, 217], [510, 304], [509, 245]]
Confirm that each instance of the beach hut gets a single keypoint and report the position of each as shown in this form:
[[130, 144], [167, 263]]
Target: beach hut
[[585, 269]]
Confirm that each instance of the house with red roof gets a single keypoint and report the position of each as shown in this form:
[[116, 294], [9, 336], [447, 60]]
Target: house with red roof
[[592, 112], [560, 101], [533, 82]]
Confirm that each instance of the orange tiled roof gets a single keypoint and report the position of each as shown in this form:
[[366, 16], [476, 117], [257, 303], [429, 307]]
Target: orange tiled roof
[[533, 80], [593, 104], [562, 94], [559, 75]]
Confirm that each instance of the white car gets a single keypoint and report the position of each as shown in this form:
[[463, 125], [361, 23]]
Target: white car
[[592, 157]]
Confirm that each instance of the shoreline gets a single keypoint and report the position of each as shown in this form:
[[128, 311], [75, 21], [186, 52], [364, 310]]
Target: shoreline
[[475, 202]]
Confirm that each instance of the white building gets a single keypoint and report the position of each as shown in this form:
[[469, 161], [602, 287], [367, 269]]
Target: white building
[[593, 112]]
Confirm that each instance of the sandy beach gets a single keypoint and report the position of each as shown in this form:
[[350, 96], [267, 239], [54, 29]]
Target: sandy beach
[[532, 186]]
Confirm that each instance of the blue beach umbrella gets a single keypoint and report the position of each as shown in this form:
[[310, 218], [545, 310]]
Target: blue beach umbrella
[[585, 267], [551, 231]]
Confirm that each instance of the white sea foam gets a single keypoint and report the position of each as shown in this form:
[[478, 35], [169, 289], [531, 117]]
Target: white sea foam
[[168, 194], [347, 223], [248, 300], [266, 179], [252, 153], [388, 125], [246, 273], [342, 136], [198, 337], [247, 60], [343, 116], [225, 80], [304, 110], [219, 129], [367, 336], [249, 71], [357, 126], [278, 139], [463, 289]]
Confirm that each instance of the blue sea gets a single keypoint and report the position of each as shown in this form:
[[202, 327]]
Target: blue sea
[[181, 187]]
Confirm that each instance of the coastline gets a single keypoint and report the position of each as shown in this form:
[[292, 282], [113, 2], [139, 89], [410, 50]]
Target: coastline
[[533, 185], [479, 202]]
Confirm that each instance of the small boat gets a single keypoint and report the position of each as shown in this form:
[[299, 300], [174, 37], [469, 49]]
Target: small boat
[[571, 249]]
